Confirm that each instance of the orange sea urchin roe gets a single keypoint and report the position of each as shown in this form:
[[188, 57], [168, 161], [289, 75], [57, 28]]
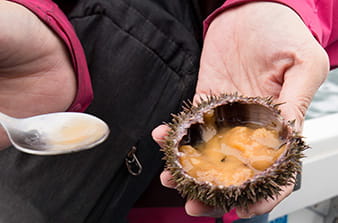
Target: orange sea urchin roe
[[232, 155]]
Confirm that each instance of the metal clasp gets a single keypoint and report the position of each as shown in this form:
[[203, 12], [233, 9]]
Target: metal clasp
[[133, 164]]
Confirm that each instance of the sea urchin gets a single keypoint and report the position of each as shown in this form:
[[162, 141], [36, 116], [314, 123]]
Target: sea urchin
[[232, 150]]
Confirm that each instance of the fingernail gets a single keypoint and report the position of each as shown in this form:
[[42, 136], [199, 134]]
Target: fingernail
[[216, 213], [245, 214], [196, 208]]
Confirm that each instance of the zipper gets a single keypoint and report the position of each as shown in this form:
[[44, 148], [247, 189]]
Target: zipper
[[132, 162]]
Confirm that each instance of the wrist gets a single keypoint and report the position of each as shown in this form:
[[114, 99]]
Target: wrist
[[305, 10]]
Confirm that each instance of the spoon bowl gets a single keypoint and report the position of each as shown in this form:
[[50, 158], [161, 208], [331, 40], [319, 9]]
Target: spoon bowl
[[55, 133]]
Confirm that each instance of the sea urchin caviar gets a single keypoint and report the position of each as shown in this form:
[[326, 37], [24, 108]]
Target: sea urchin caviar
[[232, 150], [230, 156]]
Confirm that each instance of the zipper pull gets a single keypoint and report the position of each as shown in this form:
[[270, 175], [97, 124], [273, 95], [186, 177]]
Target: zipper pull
[[133, 164]]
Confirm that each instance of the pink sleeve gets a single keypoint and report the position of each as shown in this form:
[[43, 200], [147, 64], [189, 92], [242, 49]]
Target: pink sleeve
[[321, 17], [49, 13]]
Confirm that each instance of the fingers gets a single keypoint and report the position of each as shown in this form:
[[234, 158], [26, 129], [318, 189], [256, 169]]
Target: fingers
[[192, 207], [200, 96], [166, 179], [159, 134], [197, 208], [264, 206], [300, 84]]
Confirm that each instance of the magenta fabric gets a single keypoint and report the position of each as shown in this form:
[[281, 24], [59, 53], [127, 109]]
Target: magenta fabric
[[49, 13], [321, 17], [172, 215]]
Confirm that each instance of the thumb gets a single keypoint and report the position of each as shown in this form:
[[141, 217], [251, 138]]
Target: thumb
[[301, 82], [159, 134]]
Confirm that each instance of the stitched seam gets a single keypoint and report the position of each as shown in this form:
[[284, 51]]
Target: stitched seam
[[186, 54], [158, 29], [139, 41]]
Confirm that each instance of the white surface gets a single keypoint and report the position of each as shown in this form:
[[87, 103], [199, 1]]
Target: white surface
[[305, 216], [320, 167]]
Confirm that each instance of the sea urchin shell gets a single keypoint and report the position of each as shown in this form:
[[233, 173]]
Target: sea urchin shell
[[198, 125]]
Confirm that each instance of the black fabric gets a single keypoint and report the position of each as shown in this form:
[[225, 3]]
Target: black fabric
[[143, 57]]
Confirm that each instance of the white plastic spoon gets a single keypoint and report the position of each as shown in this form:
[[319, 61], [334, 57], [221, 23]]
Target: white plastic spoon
[[55, 133]]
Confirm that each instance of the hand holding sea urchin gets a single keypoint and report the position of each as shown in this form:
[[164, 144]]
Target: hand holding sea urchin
[[231, 151]]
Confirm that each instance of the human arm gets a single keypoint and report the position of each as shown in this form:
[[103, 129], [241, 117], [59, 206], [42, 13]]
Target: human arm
[[320, 17], [42, 65], [265, 49]]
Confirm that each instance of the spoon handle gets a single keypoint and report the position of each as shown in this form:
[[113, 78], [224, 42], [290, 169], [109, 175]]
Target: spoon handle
[[7, 121]]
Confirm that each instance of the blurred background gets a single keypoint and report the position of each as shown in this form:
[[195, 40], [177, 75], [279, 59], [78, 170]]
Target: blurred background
[[326, 100]]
